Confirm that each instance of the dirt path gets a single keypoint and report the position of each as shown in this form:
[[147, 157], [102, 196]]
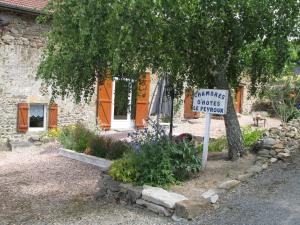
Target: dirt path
[[196, 127], [40, 187]]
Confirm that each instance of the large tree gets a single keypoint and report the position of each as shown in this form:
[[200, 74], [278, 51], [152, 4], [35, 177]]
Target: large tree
[[208, 43]]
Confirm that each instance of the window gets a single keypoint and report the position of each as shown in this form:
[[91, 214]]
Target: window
[[37, 117]]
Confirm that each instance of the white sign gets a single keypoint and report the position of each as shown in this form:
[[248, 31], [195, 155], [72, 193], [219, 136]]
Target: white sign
[[211, 101]]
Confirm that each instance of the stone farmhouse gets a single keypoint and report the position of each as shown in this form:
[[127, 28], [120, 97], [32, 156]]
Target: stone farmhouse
[[26, 106]]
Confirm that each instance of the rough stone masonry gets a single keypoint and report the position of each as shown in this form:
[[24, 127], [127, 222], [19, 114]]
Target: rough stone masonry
[[21, 46]]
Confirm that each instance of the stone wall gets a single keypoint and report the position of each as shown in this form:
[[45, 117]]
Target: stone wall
[[21, 44], [279, 143]]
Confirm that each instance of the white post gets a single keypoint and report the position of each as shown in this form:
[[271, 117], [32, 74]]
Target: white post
[[206, 140]]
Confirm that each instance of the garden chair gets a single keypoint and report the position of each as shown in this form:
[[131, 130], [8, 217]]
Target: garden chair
[[259, 116]]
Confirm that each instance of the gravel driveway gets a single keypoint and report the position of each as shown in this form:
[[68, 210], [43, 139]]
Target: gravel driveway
[[40, 187]]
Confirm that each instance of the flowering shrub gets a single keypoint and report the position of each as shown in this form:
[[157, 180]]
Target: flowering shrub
[[157, 160], [54, 133]]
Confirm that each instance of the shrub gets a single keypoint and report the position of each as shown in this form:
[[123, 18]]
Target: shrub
[[216, 145], [251, 135], [154, 164], [76, 137], [284, 95], [108, 148], [158, 162], [54, 133], [117, 149], [124, 169], [185, 159]]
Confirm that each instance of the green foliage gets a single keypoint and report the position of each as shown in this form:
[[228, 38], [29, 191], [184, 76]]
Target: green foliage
[[159, 163], [124, 169], [108, 148], [154, 164], [284, 94], [251, 135], [185, 159], [218, 145], [101, 36], [76, 137]]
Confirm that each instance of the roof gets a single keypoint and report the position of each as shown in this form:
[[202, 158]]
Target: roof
[[24, 5]]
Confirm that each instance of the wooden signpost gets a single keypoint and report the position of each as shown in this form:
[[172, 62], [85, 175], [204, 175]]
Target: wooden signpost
[[209, 101]]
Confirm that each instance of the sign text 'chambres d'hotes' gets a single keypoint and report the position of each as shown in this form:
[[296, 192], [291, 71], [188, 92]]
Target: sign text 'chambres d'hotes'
[[211, 101]]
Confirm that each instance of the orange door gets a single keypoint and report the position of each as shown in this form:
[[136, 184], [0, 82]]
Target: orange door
[[104, 103], [239, 99], [142, 100], [188, 105]]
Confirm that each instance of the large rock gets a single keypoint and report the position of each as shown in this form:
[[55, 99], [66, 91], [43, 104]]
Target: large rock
[[268, 142], [244, 177], [154, 208], [273, 160], [279, 146], [132, 192], [264, 153], [161, 197], [283, 155], [211, 195], [254, 169], [229, 184], [189, 209]]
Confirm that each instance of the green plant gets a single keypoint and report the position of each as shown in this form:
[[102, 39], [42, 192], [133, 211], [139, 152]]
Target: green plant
[[66, 137], [284, 95], [216, 145], [251, 135], [124, 169], [154, 165], [54, 133], [75, 137], [185, 159], [108, 148], [117, 149]]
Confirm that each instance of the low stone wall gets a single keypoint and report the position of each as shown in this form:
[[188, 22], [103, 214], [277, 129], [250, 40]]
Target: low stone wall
[[155, 199], [278, 143]]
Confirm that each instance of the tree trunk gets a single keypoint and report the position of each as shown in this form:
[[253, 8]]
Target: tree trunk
[[233, 130]]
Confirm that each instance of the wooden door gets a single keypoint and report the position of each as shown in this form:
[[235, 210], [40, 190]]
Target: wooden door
[[188, 105], [239, 93], [142, 100], [104, 104]]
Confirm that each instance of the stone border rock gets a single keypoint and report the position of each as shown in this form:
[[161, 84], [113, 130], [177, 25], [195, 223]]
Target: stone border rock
[[103, 164], [155, 199]]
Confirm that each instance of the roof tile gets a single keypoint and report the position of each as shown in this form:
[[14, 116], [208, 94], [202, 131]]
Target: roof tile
[[27, 4]]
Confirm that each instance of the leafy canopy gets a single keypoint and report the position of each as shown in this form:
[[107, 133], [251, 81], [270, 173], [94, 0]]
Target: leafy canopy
[[191, 40]]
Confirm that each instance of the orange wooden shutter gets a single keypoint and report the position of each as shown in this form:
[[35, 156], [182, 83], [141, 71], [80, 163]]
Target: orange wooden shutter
[[53, 114], [188, 104], [105, 104], [142, 100], [23, 117]]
